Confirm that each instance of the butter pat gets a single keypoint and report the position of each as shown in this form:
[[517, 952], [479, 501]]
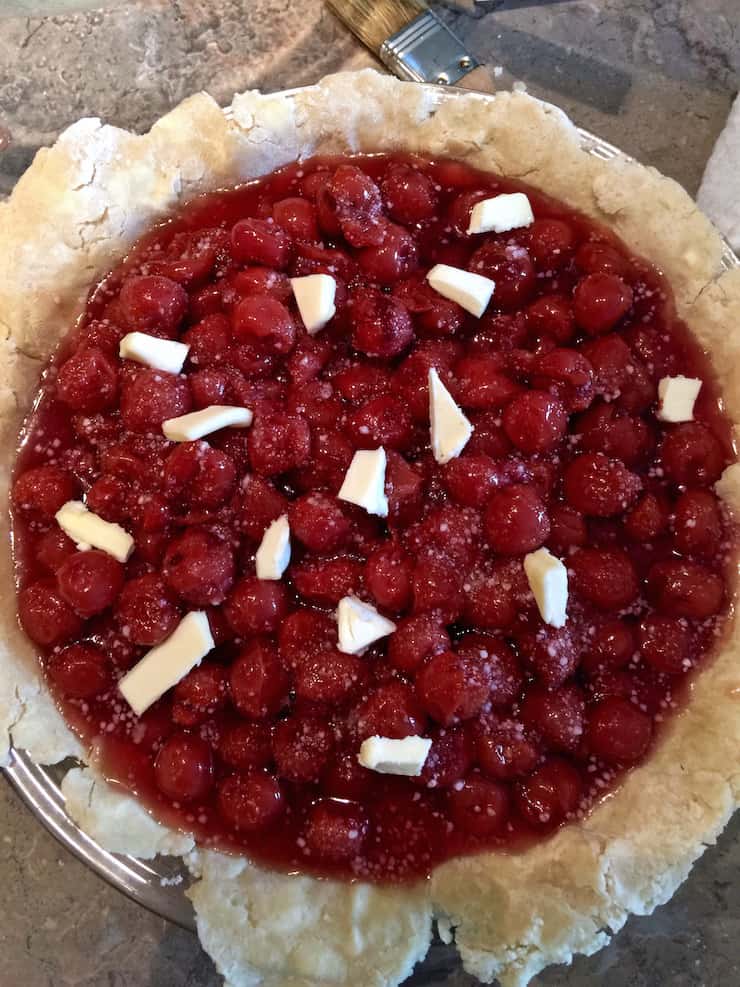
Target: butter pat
[[471, 291], [364, 483], [162, 668], [395, 757], [195, 425], [677, 398], [89, 530], [273, 555], [160, 354], [501, 214], [314, 295], [450, 429], [360, 625], [548, 580]]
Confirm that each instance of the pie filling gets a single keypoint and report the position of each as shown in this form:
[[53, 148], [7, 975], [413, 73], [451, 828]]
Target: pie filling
[[403, 608]]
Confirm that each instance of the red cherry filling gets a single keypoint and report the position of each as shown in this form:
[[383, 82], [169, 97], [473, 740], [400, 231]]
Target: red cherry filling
[[256, 749]]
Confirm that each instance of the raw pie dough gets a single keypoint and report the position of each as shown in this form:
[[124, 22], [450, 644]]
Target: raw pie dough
[[74, 213]]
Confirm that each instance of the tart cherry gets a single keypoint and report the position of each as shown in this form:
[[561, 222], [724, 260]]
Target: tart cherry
[[198, 476], [611, 646], [326, 581], [53, 547], [567, 529], [535, 421], [260, 505], [278, 442], [647, 520], [516, 520], [257, 681], [257, 241], [336, 830], [152, 397], [146, 611], [90, 581], [555, 716], [301, 746], [600, 258], [600, 301], [665, 643], [250, 801], [604, 577], [42, 490], [319, 522], [258, 280], [481, 384], [567, 374], [183, 769], [452, 687], [686, 589], [79, 671], [393, 259], [382, 421], [88, 381], [408, 194], [264, 320], [388, 573], [200, 694], [345, 778], [618, 732], [381, 325], [470, 479], [45, 616], [489, 599], [448, 761], [355, 201], [691, 455], [152, 302], [552, 316], [510, 267], [505, 751], [499, 664], [256, 606], [479, 806], [697, 523], [199, 567], [209, 341], [551, 653], [416, 639], [600, 487], [550, 794], [245, 746], [110, 497], [551, 242], [329, 677], [437, 586], [297, 217], [392, 710]]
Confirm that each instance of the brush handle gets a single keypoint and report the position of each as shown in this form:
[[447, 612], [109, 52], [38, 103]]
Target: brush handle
[[479, 80]]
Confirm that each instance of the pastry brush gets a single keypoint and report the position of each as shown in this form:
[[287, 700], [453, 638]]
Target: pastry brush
[[412, 42]]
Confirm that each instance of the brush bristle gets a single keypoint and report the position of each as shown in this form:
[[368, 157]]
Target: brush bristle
[[375, 20]]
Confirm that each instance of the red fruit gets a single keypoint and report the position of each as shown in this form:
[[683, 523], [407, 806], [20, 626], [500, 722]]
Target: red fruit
[[393, 259], [261, 504], [88, 381], [552, 654], [692, 456], [697, 523], [437, 587], [52, 548], [79, 671], [345, 778], [382, 421], [359, 382], [250, 801], [557, 716], [552, 315], [481, 383], [408, 193], [199, 567], [150, 302], [550, 794], [264, 320], [256, 241], [196, 475], [594, 257], [256, 606], [262, 281], [686, 589], [480, 807], [42, 490], [511, 267], [505, 751], [90, 581], [599, 486], [535, 421], [567, 375], [610, 647], [278, 442], [146, 611], [516, 520], [388, 573], [453, 687], [392, 710], [551, 242], [297, 217], [617, 732], [471, 479], [355, 202], [448, 760], [604, 577], [301, 746], [648, 518], [415, 639], [329, 677], [336, 830], [381, 325], [319, 522], [246, 746], [404, 487], [499, 664], [304, 634], [258, 682], [326, 581], [600, 301], [489, 598], [152, 397], [200, 694], [567, 529], [45, 617], [209, 341], [666, 644], [183, 770]]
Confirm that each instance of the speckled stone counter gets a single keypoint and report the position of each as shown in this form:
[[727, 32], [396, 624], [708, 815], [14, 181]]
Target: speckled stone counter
[[655, 77]]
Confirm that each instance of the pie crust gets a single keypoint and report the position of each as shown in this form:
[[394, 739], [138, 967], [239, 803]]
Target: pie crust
[[74, 213]]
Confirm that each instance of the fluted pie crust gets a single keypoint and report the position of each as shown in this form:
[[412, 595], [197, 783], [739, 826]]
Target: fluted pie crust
[[75, 212]]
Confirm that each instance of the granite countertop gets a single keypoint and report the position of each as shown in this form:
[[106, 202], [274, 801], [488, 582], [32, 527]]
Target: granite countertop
[[655, 77]]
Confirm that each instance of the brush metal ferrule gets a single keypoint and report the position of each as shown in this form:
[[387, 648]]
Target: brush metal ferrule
[[425, 50]]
